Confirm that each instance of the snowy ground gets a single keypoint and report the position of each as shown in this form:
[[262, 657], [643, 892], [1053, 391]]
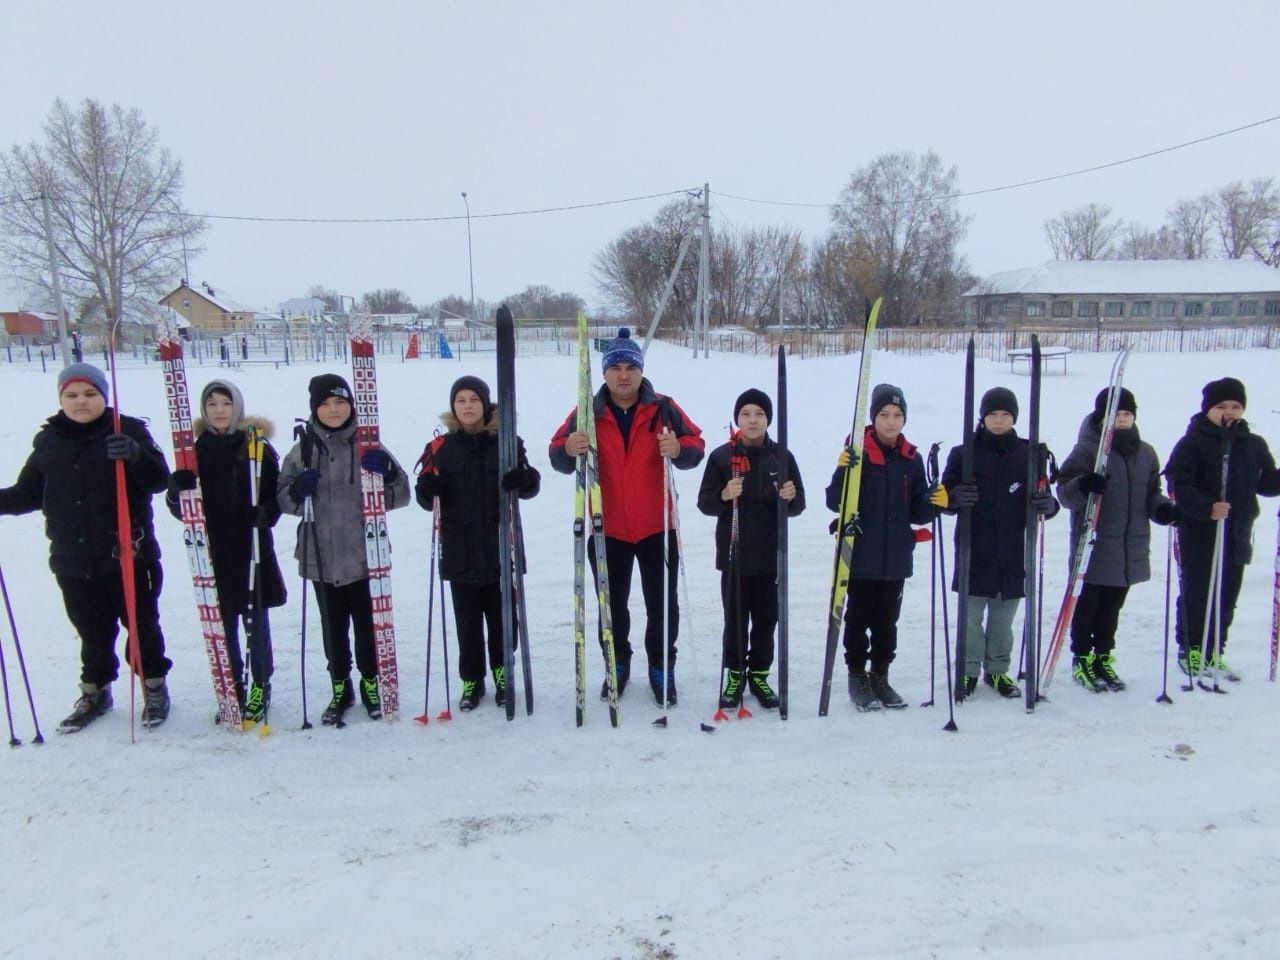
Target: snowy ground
[[1103, 825]]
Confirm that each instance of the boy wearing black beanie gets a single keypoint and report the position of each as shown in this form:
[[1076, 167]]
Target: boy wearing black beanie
[[1195, 475], [743, 473]]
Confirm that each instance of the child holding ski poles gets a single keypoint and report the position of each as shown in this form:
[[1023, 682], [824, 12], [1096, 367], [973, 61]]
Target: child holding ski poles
[[323, 468], [1217, 449], [894, 495], [70, 476], [1121, 556], [231, 479], [997, 568], [741, 476], [461, 469]]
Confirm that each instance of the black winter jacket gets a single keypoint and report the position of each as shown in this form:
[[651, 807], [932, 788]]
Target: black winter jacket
[[1121, 554], [222, 462], [757, 551], [894, 495], [70, 478], [1000, 517], [1195, 481], [462, 470]]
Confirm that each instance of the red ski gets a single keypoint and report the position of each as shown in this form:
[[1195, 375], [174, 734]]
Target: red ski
[[195, 534], [364, 383]]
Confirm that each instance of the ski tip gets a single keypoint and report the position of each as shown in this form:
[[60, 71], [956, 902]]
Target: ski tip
[[720, 716], [445, 715], [422, 719], [706, 728], [660, 722]]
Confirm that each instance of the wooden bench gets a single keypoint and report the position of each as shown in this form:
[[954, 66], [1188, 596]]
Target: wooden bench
[[1047, 355], [235, 364]]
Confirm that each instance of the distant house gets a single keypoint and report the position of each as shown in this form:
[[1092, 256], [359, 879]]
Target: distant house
[[303, 307], [210, 310], [1158, 291], [27, 323]]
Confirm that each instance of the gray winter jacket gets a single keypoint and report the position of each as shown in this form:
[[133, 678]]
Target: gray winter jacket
[[338, 510], [1122, 548]]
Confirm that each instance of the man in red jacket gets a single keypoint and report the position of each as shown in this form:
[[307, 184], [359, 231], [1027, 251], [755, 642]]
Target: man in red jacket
[[636, 429]]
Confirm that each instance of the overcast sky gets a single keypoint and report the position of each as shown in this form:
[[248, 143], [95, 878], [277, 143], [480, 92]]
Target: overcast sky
[[381, 109]]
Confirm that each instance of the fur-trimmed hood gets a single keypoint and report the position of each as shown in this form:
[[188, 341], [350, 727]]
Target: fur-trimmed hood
[[264, 425], [450, 422]]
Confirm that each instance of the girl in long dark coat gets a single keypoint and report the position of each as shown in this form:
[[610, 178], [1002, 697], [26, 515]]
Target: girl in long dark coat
[[1121, 557], [232, 520]]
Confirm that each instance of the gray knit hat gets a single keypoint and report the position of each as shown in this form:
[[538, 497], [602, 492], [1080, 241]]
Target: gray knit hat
[[83, 373]]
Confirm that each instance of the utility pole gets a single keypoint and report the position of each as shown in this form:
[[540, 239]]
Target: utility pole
[[471, 274], [704, 275], [57, 283]]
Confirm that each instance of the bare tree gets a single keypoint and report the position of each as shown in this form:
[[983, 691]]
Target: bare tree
[[1244, 217], [1192, 222], [115, 196], [1139, 243], [632, 271], [899, 215], [332, 301], [1086, 233], [540, 302], [387, 300]]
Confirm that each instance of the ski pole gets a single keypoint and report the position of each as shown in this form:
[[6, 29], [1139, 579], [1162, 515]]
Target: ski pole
[[950, 725], [931, 477], [446, 713], [666, 583], [1168, 590], [431, 606], [22, 667], [253, 635]]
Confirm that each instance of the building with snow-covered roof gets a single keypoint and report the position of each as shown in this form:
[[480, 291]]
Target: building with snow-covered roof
[[1158, 291], [210, 310]]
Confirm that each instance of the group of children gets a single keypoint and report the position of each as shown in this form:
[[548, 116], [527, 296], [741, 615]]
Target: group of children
[[70, 475]]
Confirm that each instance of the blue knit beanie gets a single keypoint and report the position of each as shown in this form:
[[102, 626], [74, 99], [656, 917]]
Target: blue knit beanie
[[83, 373], [622, 349]]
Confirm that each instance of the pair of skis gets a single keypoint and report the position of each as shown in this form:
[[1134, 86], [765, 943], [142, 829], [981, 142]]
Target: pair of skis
[[511, 535], [1083, 549], [847, 523], [589, 510]]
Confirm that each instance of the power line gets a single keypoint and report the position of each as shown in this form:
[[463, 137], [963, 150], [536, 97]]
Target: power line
[[460, 216], [1022, 183]]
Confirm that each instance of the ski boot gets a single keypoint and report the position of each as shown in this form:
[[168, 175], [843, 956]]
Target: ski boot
[[93, 702], [758, 683], [370, 698], [155, 702], [624, 674], [1003, 684], [472, 694], [860, 692], [1084, 671], [887, 696], [1104, 667], [343, 698], [500, 686], [257, 702], [731, 695]]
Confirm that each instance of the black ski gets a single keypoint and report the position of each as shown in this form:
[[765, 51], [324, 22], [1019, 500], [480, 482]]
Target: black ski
[[964, 525], [780, 409], [510, 561]]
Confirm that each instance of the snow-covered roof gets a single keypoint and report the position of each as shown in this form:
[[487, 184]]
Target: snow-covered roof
[[1134, 277]]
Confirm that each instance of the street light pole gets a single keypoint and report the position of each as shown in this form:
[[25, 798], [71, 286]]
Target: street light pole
[[470, 264]]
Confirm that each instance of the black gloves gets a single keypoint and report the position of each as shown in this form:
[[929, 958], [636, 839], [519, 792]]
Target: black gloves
[[304, 484], [123, 447], [963, 495], [426, 489], [181, 480], [1093, 483], [517, 478], [1165, 513], [379, 461], [1043, 502]]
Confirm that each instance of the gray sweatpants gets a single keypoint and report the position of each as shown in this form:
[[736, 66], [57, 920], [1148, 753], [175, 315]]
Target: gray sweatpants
[[990, 648]]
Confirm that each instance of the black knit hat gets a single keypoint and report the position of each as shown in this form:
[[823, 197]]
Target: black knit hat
[[883, 394], [481, 390], [1126, 402], [328, 385], [759, 398], [999, 398], [1216, 391]]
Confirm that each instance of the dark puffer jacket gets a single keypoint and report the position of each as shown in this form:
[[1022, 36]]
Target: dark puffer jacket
[[69, 476], [997, 544], [757, 506], [462, 470], [894, 495], [1195, 480], [1122, 546], [222, 462]]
